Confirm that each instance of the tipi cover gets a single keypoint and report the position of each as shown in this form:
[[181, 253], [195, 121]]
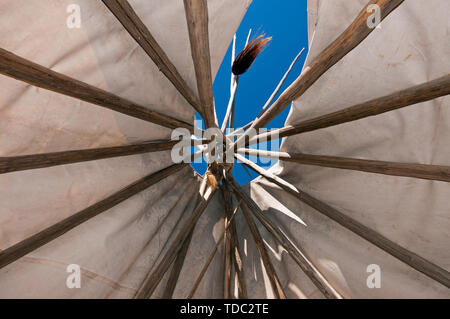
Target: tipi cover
[[361, 188]]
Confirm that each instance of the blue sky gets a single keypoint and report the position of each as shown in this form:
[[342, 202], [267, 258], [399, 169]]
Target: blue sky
[[286, 22]]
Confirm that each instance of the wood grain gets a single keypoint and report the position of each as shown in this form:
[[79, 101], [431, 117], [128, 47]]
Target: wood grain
[[296, 252], [33, 161], [268, 266], [151, 282], [410, 96], [413, 260], [423, 171], [197, 21], [236, 254], [339, 48], [43, 237], [211, 256], [237, 261], [124, 12], [176, 268]]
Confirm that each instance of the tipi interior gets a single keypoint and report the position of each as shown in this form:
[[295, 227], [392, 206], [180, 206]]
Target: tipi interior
[[87, 179]]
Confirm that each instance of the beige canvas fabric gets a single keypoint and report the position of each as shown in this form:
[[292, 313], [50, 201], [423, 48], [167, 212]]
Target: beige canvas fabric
[[118, 248]]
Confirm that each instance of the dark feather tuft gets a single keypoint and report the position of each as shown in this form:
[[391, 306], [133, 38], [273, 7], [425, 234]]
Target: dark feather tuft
[[247, 56]]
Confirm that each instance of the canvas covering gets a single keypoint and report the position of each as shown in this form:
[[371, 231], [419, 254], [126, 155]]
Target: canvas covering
[[117, 249]]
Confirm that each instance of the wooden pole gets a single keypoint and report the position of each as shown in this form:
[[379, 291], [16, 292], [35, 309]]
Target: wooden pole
[[283, 79], [268, 266], [176, 268], [296, 253], [240, 130], [413, 95], [415, 261], [211, 255], [227, 292], [423, 171], [230, 105], [248, 38], [233, 109], [237, 261], [234, 82], [197, 20], [43, 237], [346, 42], [274, 94], [233, 56], [37, 75], [152, 281], [124, 12], [171, 282], [236, 254], [229, 115], [25, 162]]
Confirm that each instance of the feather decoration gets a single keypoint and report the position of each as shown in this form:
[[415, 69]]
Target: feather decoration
[[247, 56]]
